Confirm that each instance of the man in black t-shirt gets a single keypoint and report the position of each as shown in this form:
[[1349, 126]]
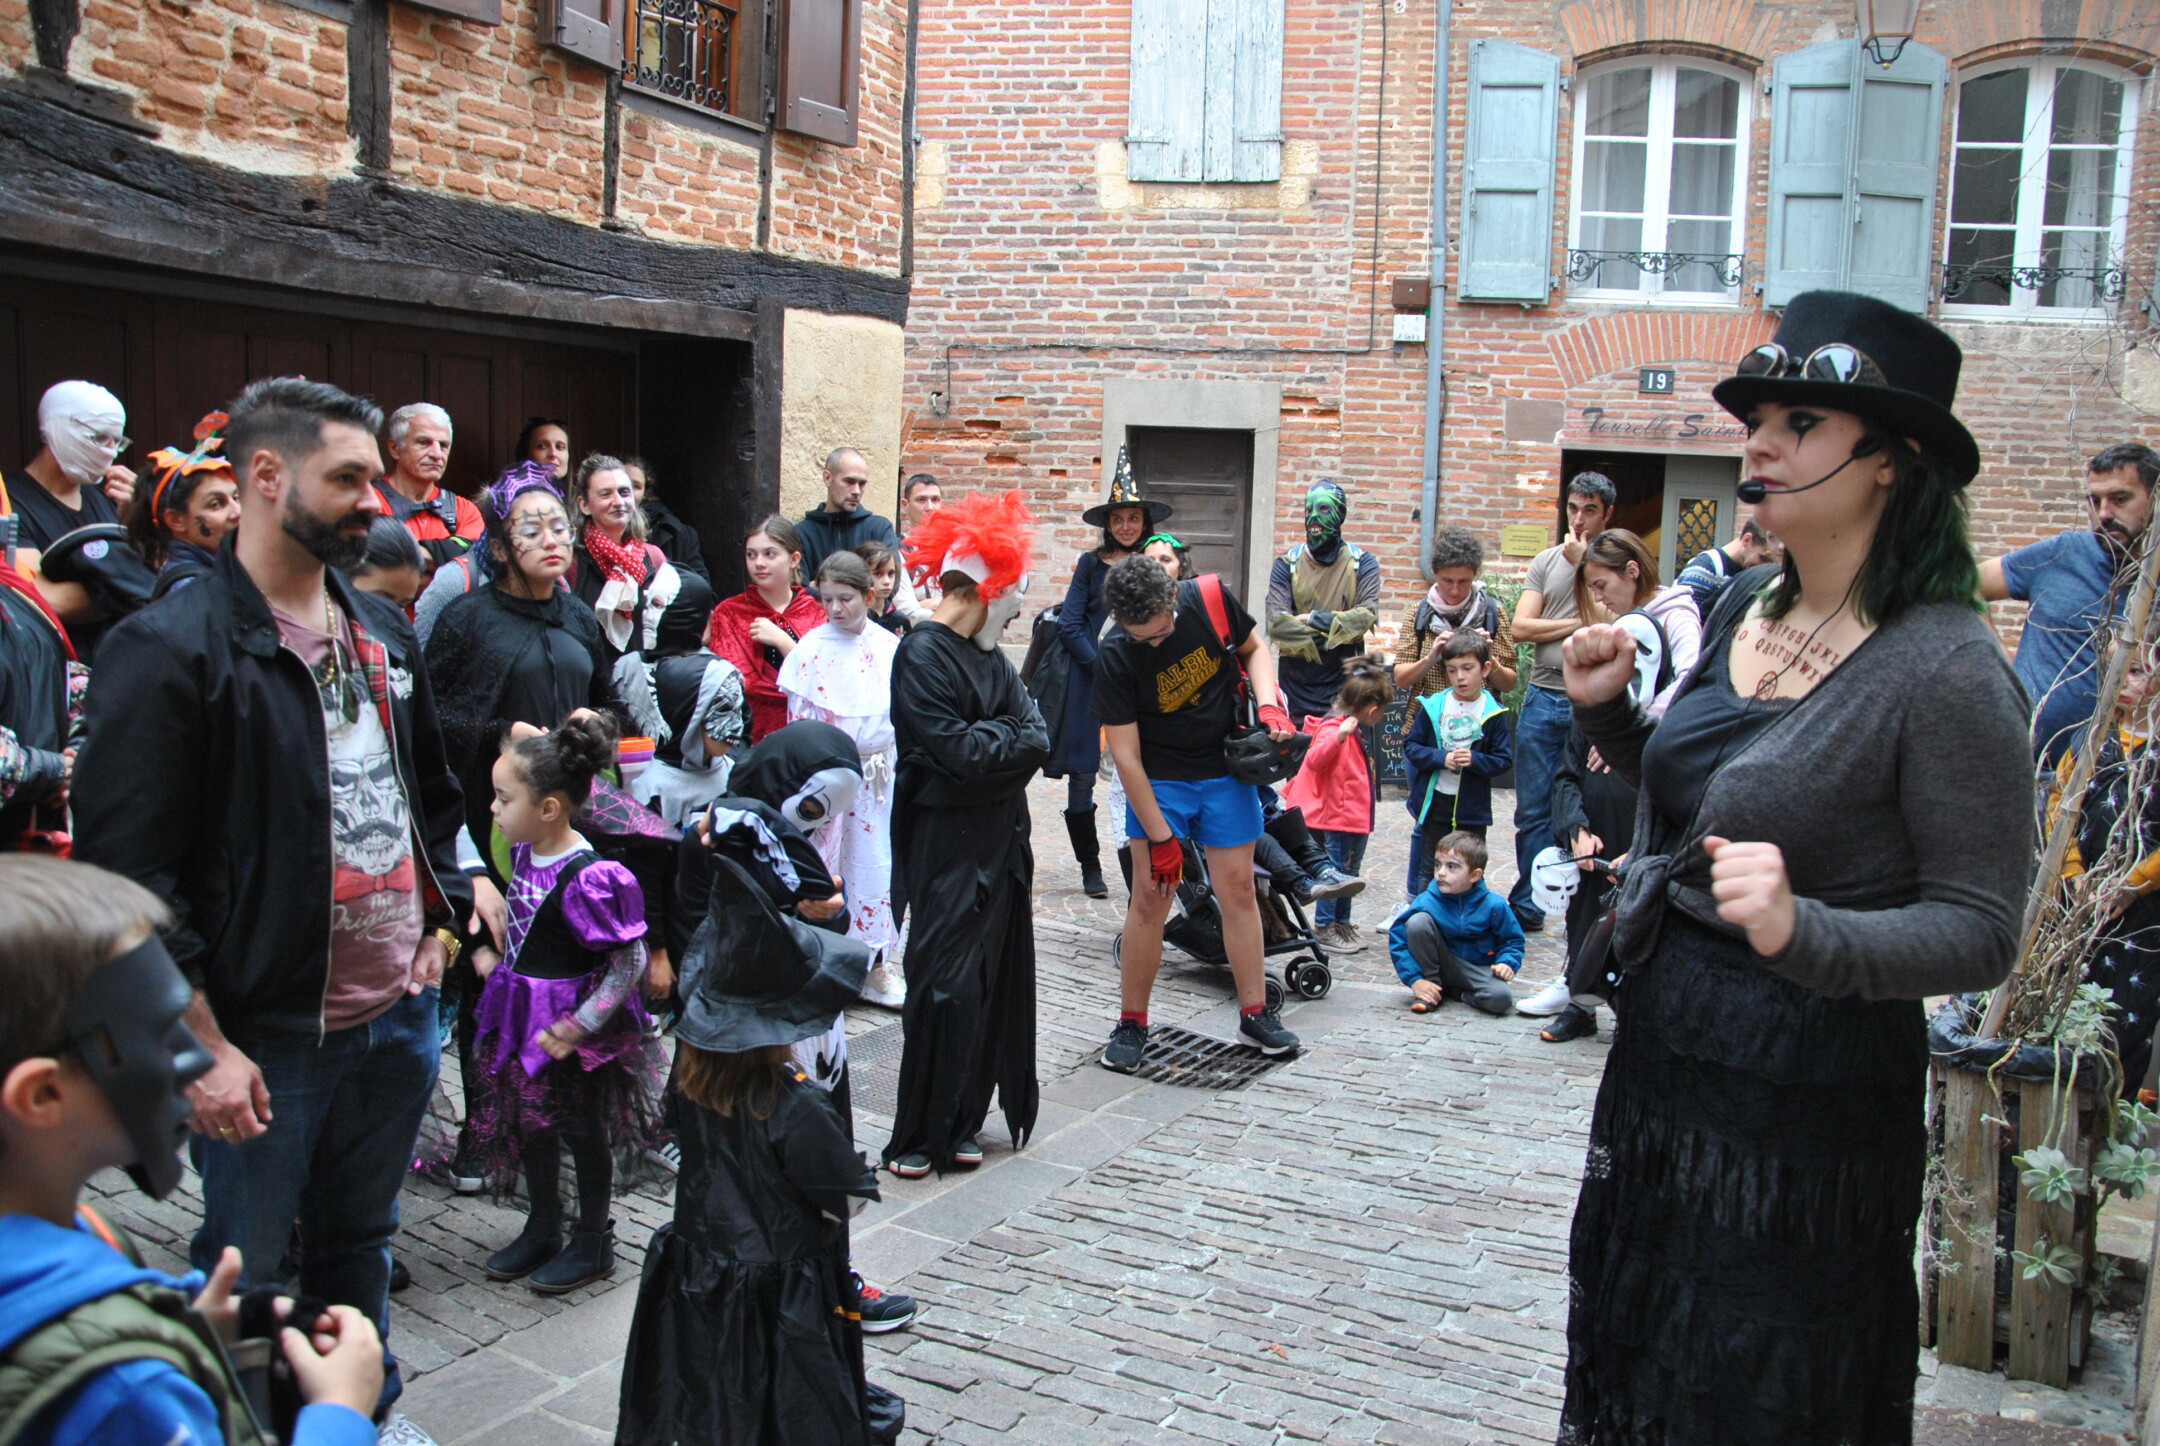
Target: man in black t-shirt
[[1166, 689]]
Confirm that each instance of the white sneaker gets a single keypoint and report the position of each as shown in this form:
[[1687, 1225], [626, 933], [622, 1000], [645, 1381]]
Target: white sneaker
[[399, 1430], [885, 987], [1550, 1000]]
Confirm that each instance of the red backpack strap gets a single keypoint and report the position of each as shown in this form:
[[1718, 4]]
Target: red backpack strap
[[1210, 585]]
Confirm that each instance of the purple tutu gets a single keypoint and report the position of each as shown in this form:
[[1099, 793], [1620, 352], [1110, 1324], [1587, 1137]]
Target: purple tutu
[[607, 1088]]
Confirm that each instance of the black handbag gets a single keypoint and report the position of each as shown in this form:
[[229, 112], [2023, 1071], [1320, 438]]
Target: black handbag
[[1250, 752]]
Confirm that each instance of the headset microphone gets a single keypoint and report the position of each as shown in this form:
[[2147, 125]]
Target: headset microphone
[[1754, 490]]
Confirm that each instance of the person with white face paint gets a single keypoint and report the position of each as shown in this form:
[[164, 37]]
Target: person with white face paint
[[969, 740], [841, 673], [74, 481]]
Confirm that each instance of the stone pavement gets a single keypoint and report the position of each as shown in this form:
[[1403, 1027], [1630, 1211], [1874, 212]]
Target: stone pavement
[[1367, 1243]]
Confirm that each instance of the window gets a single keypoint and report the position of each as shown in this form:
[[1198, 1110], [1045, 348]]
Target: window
[[2036, 193], [1206, 89], [691, 51], [1660, 181]]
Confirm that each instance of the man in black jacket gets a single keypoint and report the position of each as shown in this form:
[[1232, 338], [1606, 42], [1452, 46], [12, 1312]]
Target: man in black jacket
[[263, 755], [841, 521]]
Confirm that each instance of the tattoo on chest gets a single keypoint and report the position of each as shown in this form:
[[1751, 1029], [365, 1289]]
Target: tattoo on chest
[[1784, 649]]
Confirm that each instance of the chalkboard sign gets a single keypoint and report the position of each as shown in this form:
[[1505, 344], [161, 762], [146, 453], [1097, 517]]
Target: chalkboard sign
[[1389, 751]]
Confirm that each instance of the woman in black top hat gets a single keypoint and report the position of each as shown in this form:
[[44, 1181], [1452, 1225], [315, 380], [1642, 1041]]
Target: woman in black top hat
[[1125, 519], [1836, 822]]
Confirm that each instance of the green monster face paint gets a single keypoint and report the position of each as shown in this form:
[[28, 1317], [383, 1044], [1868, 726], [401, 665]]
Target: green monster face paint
[[1325, 508]]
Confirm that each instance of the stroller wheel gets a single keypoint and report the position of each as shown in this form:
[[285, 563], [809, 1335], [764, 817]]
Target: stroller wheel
[[1117, 950], [1290, 972], [1274, 995], [1314, 980]]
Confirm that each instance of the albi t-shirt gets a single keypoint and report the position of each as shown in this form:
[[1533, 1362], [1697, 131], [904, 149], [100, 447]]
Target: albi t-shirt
[[1182, 691]]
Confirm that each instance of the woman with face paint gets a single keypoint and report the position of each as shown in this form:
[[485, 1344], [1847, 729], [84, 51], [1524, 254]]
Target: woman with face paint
[[841, 673], [758, 627], [616, 571], [177, 521]]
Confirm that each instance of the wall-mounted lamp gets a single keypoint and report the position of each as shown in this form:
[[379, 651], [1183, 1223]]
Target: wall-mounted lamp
[[1885, 26]]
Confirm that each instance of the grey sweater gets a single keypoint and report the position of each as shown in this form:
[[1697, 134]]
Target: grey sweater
[[1901, 793]]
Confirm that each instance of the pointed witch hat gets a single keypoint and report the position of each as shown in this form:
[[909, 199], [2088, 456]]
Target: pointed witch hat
[[1124, 492]]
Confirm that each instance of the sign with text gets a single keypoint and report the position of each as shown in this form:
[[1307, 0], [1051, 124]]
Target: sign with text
[[1689, 429], [1520, 539], [1655, 381]]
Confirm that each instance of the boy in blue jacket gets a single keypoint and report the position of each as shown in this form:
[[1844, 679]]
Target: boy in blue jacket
[[1457, 744], [94, 1068], [1458, 939]]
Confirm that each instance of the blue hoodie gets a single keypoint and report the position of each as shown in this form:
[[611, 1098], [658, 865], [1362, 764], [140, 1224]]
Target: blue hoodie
[[1479, 927], [45, 1272]]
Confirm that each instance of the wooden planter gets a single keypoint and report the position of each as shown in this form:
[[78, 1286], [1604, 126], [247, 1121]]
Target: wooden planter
[[1973, 1295]]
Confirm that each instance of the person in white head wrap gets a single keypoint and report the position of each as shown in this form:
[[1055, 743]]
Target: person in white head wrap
[[74, 481]]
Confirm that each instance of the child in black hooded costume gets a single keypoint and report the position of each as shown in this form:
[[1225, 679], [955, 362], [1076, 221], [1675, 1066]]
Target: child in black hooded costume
[[748, 1318]]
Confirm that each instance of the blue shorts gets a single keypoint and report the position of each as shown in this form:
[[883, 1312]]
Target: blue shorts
[[1217, 813]]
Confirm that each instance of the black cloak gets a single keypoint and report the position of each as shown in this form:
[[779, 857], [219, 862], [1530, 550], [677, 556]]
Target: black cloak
[[970, 739]]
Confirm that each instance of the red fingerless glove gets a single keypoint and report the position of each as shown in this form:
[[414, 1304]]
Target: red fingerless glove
[[1274, 719], [1166, 861]]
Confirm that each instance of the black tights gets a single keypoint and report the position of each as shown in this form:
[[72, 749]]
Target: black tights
[[595, 1178]]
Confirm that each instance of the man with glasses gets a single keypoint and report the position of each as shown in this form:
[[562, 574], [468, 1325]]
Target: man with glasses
[[74, 481], [263, 754], [2077, 583]]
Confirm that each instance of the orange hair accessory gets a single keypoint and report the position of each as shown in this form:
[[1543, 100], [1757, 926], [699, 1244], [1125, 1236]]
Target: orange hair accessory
[[993, 532], [207, 457]]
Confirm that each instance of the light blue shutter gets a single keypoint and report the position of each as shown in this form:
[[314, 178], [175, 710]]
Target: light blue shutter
[[1168, 118], [1855, 151], [1811, 147], [1898, 157], [1508, 162], [1256, 115]]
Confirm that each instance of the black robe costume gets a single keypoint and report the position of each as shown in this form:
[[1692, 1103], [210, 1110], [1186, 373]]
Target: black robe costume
[[33, 712], [970, 739]]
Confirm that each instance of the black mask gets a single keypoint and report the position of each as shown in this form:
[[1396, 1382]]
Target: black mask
[[126, 1028]]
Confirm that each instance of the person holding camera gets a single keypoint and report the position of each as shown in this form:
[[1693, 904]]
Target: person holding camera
[[1167, 680]]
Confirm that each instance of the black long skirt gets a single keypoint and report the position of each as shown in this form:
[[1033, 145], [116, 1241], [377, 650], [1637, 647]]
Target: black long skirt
[[1741, 1266]]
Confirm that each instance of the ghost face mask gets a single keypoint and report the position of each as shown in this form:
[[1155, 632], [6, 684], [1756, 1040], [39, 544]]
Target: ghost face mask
[[126, 1028], [1002, 609], [84, 425], [824, 796]]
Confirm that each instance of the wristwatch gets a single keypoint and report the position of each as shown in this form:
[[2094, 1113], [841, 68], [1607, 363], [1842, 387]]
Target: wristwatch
[[451, 945]]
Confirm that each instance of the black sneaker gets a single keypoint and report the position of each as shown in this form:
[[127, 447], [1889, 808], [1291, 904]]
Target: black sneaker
[[1264, 1031], [1128, 1042], [466, 1177], [882, 1310], [1333, 883], [400, 1277], [1575, 1022]]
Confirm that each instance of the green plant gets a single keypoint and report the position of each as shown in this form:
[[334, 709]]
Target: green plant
[[2126, 1169], [2058, 1263], [1507, 591], [2048, 1176]]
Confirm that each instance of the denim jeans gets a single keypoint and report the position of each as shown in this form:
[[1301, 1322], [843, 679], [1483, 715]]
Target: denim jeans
[[1347, 852], [1540, 737], [344, 1117]]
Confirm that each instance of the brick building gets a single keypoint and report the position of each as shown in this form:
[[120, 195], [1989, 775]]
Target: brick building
[[1186, 226], [679, 225]]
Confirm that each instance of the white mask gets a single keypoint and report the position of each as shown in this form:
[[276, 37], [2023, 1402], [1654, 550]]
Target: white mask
[[1002, 610], [824, 796], [83, 424]]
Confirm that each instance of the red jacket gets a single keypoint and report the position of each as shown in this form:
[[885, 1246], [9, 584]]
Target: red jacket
[[729, 637], [1334, 784]]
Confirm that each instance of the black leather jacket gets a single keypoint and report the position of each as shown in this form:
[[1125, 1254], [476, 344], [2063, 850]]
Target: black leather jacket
[[206, 779]]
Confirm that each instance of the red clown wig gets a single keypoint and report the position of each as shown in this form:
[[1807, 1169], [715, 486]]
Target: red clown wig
[[987, 529]]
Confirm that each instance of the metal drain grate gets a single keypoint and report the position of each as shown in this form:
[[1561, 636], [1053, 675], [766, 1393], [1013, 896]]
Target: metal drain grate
[[1180, 1057], [874, 1069]]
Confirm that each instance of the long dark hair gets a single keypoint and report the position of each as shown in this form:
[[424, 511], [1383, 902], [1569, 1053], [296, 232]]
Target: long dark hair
[[1921, 551], [146, 528]]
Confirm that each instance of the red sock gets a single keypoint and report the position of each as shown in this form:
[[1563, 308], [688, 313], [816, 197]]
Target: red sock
[[1137, 1016], [1244, 1013]]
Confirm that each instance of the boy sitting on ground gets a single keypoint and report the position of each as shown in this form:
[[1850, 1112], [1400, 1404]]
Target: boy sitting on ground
[[1457, 939], [94, 1068]]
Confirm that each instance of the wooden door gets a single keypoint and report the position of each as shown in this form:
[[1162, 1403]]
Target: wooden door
[[1206, 474], [1699, 509]]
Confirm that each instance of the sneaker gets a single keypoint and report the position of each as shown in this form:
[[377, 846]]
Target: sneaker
[[1575, 1022], [466, 1177], [882, 1310], [885, 987], [1333, 883], [400, 1277], [1399, 910], [967, 1154], [1301, 889], [1128, 1042], [398, 1430], [910, 1167], [665, 1154], [1344, 939], [1264, 1030], [1550, 1000], [589, 1256], [1532, 922]]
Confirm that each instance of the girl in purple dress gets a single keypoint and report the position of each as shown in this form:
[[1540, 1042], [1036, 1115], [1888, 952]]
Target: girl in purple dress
[[560, 1020]]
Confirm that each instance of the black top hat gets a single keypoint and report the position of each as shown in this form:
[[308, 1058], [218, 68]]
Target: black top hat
[[1918, 362], [1124, 492]]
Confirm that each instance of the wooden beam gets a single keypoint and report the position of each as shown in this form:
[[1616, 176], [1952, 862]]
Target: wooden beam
[[2040, 1309], [1965, 1234]]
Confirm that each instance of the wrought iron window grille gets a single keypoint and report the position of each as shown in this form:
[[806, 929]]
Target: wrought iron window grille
[[1585, 265], [683, 49], [1953, 282]]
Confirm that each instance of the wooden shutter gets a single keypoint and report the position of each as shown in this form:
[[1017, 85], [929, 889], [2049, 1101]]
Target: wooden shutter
[[481, 12], [1255, 40], [820, 68], [589, 29], [1166, 126], [1896, 162], [1509, 146], [1855, 151]]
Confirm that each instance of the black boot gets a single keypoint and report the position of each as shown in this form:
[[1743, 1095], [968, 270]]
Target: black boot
[[589, 1256], [537, 1244], [1080, 828]]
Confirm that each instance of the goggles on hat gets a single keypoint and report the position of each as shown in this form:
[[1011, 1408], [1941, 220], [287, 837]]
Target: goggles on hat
[[1836, 362]]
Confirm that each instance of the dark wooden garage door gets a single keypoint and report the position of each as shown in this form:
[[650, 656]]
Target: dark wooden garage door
[[172, 360], [1206, 474]]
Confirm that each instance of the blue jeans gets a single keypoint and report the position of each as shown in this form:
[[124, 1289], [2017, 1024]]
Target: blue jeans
[[1347, 852], [344, 1117], [1540, 737]]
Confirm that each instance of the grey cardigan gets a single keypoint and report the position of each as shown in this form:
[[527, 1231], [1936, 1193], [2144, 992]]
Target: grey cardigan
[[1901, 793]]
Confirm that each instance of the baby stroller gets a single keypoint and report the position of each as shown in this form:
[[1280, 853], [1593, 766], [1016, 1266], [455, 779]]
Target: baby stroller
[[1285, 929]]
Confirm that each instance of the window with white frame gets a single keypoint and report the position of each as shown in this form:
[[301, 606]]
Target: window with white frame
[[2037, 198], [1660, 180]]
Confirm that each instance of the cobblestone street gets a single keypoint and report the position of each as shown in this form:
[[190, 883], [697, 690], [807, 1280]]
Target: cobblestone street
[[1367, 1243]]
